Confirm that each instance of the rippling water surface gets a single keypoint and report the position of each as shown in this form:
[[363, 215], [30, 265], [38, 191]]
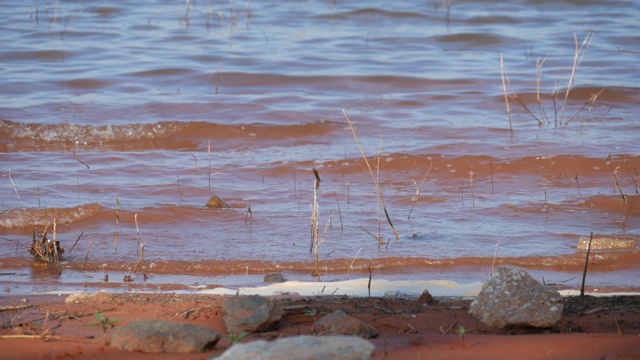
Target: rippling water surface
[[140, 111]]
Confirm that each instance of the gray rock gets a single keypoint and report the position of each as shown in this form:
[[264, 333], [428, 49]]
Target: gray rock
[[274, 278], [250, 313], [606, 243], [338, 322], [160, 336], [513, 297], [303, 348]]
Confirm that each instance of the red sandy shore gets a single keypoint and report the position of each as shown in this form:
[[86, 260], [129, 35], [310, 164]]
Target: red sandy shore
[[592, 328]]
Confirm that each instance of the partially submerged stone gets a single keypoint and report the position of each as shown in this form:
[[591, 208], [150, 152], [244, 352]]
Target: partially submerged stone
[[274, 278], [160, 336], [513, 298], [600, 243], [216, 202], [303, 348]]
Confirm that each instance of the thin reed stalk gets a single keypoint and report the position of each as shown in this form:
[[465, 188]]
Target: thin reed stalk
[[473, 197], [135, 268], [339, 212], [580, 50], [491, 170], [418, 188], [504, 89], [209, 170], [586, 263], [378, 191]]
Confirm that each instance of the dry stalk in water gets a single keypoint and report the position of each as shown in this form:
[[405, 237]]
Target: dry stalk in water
[[586, 263], [578, 55], [418, 188], [504, 89], [473, 197], [378, 191], [140, 259], [339, 212]]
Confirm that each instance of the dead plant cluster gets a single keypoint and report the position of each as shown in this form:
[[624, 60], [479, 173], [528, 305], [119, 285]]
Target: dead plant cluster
[[43, 249]]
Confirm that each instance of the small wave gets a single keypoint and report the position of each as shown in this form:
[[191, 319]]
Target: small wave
[[166, 72], [474, 39], [170, 134], [371, 11], [85, 84], [20, 220], [53, 55]]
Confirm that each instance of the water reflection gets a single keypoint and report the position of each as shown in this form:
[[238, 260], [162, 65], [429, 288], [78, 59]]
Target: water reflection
[[41, 271]]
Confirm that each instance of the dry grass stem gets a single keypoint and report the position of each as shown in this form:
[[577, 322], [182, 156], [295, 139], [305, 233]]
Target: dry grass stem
[[372, 175], [209, 157], [580, 50], [86, 255], [504, 89], [378, 238], [588, 104], [473, 197], [248, 216], [614, 175], [140, 259], [418, 188], [339, 212], [491, 170]]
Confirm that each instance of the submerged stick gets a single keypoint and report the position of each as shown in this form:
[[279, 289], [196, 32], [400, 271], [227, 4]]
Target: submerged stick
[[586, 263], [74, 244], [372, 175]]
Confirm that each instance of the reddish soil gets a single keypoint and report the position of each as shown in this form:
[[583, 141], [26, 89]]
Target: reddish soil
[[592, 328]]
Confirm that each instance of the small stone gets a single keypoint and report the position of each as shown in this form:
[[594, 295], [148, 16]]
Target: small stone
[[160, 336], [338, 322], [426, 298], [250, 313], [82, 297], [274, 278]]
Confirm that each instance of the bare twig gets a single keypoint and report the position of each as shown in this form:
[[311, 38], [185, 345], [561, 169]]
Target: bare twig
[[372, 175], [586, 263]]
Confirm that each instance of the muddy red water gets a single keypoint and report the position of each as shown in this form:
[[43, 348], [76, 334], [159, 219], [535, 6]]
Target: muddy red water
[[120, 121]]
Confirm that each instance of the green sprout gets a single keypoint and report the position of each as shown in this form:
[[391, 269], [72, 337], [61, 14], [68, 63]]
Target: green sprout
[[104, 321]]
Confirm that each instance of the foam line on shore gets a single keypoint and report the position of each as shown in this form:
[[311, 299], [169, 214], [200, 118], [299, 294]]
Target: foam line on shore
[[356, 287]]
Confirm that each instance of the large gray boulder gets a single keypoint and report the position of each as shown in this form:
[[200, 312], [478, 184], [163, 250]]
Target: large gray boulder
[[303, 347], [250, 313], [513, 298], [160, 336], [338, 322]]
